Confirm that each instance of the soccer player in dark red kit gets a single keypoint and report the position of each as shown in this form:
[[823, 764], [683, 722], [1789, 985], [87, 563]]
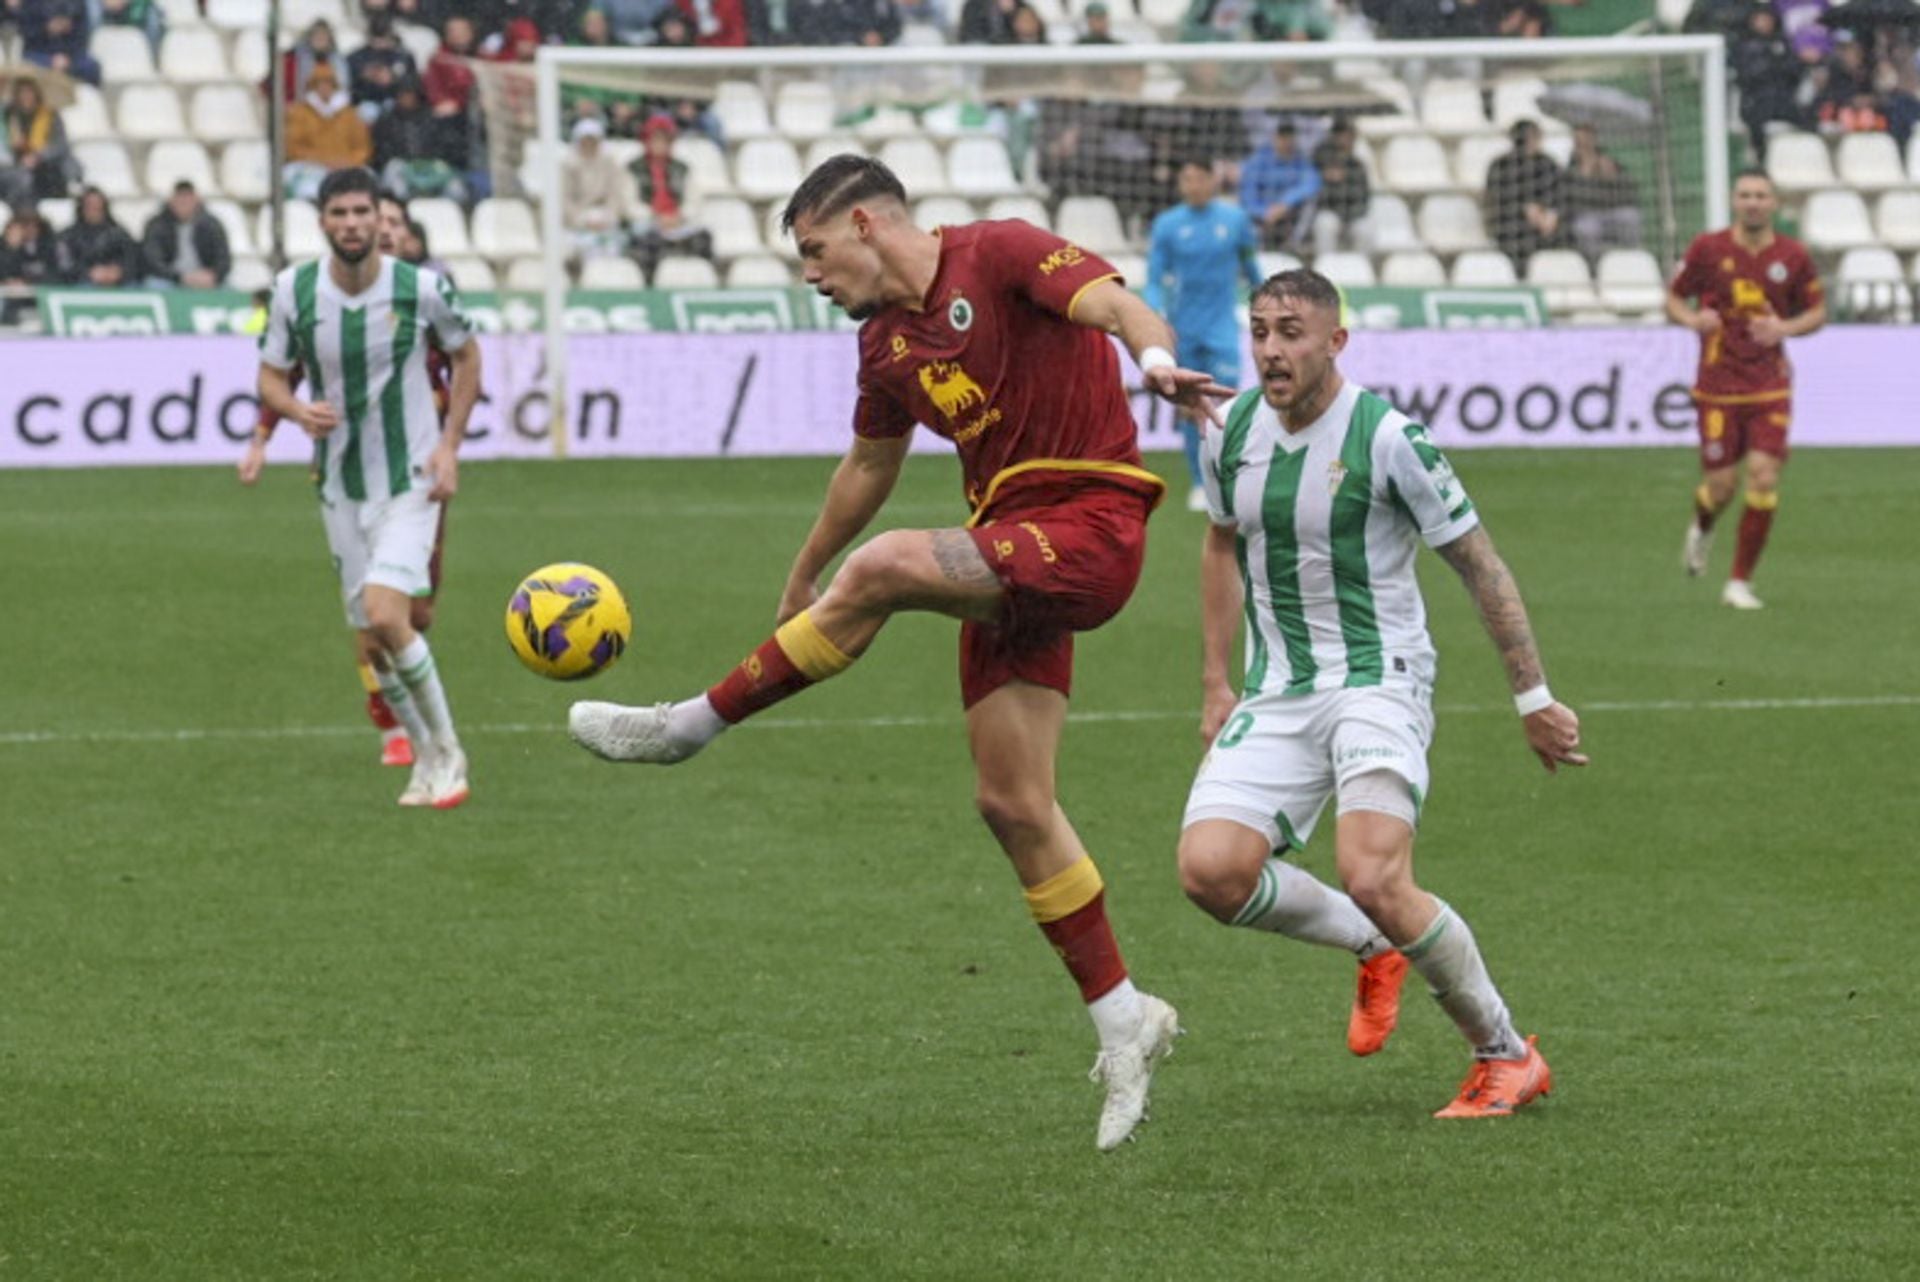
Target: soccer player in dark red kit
[[1756, 288], [995, 336]]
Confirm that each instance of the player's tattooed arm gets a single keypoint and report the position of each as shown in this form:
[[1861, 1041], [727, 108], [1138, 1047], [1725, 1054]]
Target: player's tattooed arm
[[960, 561], [1497, 597]]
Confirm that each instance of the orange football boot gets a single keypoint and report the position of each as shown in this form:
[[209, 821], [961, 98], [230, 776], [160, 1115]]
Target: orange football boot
[[397, 751], [1376, 1001], [1496, 1087]]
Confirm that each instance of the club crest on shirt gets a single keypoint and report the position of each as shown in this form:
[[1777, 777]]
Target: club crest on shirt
[[960, 313], [1777, 273], [1336, 473]]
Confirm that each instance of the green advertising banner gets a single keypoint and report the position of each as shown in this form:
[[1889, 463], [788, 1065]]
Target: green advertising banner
[[105, 313]]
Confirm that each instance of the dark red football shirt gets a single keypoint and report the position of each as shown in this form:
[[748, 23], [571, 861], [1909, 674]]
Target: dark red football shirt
[[992, 364], [1780, 281]]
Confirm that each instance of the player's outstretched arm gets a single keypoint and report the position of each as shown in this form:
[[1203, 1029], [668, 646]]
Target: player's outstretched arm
[[1112, 308], [1553, 731], [1220, 605], [860, 486]]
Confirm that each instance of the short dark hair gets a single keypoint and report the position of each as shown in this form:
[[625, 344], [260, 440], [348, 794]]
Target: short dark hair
[[1517, 132], [184, 186], [419, 232], [1753, 171], [1285, 126], [387, 195], [346, 182], [837, 184], [1302, 283], [1196, 162]]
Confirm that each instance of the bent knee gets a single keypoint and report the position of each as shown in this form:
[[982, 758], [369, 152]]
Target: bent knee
[[1014, 813], [877, 573], [1218, 883]]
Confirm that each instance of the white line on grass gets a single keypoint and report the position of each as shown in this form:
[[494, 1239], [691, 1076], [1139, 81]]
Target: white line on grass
[[558, 725]]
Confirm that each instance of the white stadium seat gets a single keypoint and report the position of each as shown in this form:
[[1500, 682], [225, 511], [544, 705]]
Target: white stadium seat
[[1132, 267], [705, 162], [775, 239], [445, 224], [1390, 224], [1452, 225], [1273, 262], [104, 164], [86, 117], [505, 227], [611, 273], [1869, 263], [1415, 164], [244, 171], [1562, 276], [1452, 108], [980, 167], [680, 272], [472, 274], [1345, 269], [1517, 98], [1799, 162], [758, 271], [234, 219], [888, 122], [1412, 268], [942, 211], [1873, 284], [1026, 208], [735, 231], [804, 110], [60, 214], [1093, 223], [1870, 162], [1630, 280], [250, 55], [248, 274], [820, 150], [193, 56], [1835, 220], [1403, 118], [917, 164], [741, 110], [146, 112], [223, 113], [303, 238], [766, 169], [124, 55], [527, 275], [176, 159], [237, 15], [1483, 268], [1475, 155], [135, 212], [921, 35], [1897, 219]]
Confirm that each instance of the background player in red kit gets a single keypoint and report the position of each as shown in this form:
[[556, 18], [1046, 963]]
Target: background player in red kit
[[995, 336], [396, 749], [1756, 288]]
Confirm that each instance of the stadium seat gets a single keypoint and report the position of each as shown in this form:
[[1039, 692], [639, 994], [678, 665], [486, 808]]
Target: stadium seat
[[979, 167], [1589, 318], [1093, 223], [1869, 162], [1451, 224], [86, 117], [821, 150], [1913, 157], [134, 213], [623, 151], [1869, 263], [1403, 118], [758, 271], [124, 55], [1163, 14], [942, 211], [193, 56], [1390, 224], [619, 273], [1415, 164], [223, 113], [1835, 220], [1026, 208], [1483, 268], [180, 158], [735, 231], [1871, 281], [705, 162], [1562, 276], [1799, 162], [741, 110], [1475, 155], [685, 273], [250, 55], [766, 169], [888, 122], [104, 164], [60, 214], [921, 35], [248, 274], [303, 238], [1452, 108], [1897, 219], [917, 163], [1630, 280], [504, 227], [1132, 268], [244, 171], [1517, 98], [237, 15], [146, 112], [445, 224], [776, 238], [527, 275], [472, 274], [234, 219], [1273, 262], [1346, 269], [955, 119], [804, 110], [1412, 268]]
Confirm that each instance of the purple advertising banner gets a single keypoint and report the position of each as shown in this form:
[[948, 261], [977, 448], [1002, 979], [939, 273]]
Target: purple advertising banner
[[140, 401]]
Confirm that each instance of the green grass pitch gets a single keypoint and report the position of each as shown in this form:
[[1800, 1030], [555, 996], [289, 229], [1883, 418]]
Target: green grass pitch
[[779, 1012]]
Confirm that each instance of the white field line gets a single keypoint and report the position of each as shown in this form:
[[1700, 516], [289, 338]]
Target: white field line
[[19, 738]]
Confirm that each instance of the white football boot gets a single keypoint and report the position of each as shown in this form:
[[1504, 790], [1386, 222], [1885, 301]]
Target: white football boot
[[1739, 594], [618, 733], [1693, 556], [1128, 1070], [419, 790], [448, 785]]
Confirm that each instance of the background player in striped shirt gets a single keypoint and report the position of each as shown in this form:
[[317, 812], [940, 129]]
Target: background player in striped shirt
[[396, 749], [1320, 494], [994, 335], [1756, 288], [357, 322]]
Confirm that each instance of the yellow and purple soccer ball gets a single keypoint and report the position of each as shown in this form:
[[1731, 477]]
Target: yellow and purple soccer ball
[[568, 622]]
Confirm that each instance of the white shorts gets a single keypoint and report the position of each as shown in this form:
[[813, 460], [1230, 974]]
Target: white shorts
[[1280, 757], [386, 542]]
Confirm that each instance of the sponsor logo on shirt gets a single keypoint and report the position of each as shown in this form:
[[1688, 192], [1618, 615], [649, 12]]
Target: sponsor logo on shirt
[[951, 389], [1065, 256], [899, 346]]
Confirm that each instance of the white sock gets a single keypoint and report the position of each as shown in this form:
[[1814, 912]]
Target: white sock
[[405, 709], [1292, 902], [694, 721], [1116, 1014], [416, 667], [1449, 960]]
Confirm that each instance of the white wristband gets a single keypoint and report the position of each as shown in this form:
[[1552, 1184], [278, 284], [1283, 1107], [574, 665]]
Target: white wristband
[[1155, 357], [1528, 702]]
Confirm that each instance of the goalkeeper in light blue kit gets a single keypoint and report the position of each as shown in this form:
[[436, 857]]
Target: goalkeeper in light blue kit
[[1201, 249]]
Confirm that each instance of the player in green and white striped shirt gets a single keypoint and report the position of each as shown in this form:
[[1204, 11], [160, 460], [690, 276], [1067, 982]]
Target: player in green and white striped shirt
[[1320, 494], [358, 322]]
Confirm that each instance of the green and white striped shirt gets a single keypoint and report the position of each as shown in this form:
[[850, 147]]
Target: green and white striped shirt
[[366, 354], [1329, 520]]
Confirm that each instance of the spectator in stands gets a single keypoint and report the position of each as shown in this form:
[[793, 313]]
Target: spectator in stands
[[1841, 82], [317, 48], [414, 151], [96, 250], [674, 31], [1097, 148], [1810, 39], [518, 42], [324, 133], [144, 14], [987, 22], [1406, 19], [1345, 191], [377, 67], [36, 139], [1291, 20], [1522, 19], [594, 31], [1026, 26], [54, 34], [1718, 17], [596, 196], [1601, 201], [1523, 197], [448, 80], [185, 245], [635, 22], [1097, 25], [927, 13], [28, 255], [1768, 75], [1279, 187], [1903, 100], [667, 197], [1219, 20], [716, 23], [843, 22]]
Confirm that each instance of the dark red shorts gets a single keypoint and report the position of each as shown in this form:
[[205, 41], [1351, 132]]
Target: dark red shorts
[[1727, 431], [1068, 565]]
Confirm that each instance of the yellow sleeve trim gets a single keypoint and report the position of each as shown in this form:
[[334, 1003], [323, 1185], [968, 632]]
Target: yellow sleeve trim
[[1075, 300], [1065, 893], [801, 639], [1061, 465]]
